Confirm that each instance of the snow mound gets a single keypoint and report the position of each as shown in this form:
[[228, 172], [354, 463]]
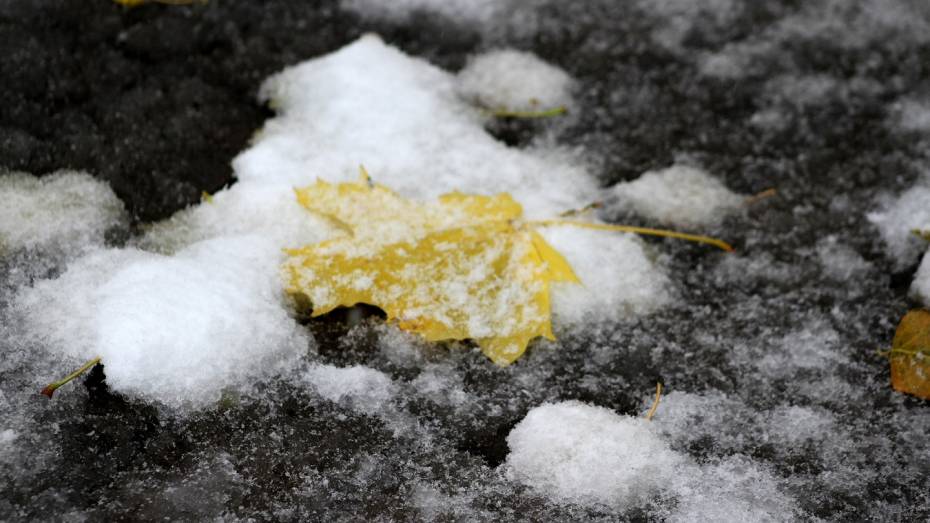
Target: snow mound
[[66, 210], [173, 329], [507, 79], [680, 196], [404, 120], [581, 453]]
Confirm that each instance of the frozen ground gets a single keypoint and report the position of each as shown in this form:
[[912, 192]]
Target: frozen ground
[[218, 403]]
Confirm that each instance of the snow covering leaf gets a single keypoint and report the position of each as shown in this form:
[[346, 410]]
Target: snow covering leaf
[[462, 267], [910, 355]]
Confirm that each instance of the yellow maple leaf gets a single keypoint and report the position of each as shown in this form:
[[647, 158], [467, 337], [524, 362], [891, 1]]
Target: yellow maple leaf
[[463, 267], [460, 268]]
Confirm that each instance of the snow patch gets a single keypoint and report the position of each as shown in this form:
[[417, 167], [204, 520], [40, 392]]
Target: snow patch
[[173, 329], [515, 81], [840, 261], [66, 210], [366, 389], [733, 489], [681, 196], [404, 120], [581, 453]]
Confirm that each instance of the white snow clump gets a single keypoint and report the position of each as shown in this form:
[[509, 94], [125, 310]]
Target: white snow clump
[[367, 389], [403, 119], [581, 453], [507, 79], [679, 196], [175, 329], [66, 210]]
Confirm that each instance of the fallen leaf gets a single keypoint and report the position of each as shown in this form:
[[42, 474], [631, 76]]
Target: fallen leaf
[[463, 267], [910, 355]]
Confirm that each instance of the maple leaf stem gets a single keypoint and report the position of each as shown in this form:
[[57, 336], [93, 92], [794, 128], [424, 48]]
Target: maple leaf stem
[[50, 390], [648, 231], [655, 402]]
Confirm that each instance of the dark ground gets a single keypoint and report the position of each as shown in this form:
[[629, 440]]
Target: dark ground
[[157, 100]]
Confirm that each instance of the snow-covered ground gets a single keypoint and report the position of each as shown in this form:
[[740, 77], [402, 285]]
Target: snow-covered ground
[[222, 400]]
